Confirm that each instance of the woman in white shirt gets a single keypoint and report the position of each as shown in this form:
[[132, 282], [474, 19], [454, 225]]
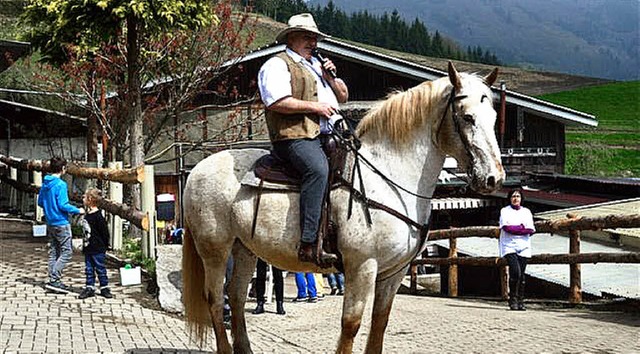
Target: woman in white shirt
[[516, 228]]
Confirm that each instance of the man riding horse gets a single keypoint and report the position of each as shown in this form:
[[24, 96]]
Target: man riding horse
[[301, 94]]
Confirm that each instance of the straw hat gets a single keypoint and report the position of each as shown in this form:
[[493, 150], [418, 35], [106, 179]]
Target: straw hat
[[300, 22]]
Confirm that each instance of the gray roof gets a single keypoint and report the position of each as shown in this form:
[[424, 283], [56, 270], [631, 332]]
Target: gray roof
[[618, 279], [408, 69]]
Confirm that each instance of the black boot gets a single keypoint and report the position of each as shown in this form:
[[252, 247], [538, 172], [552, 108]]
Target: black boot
[[520, 297], [312, 253], [259, 308], [280, 308], [513, 295]]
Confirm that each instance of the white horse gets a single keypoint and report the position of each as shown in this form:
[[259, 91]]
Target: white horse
[[406, 138]]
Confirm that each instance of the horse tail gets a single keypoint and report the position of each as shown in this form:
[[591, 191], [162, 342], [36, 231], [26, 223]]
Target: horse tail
[[195, 305]]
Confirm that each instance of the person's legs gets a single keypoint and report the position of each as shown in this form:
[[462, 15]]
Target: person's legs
[[340, 283], [514, 279], [522, 262], [331, 279], [278, 283], [311, 286], [307, 157], [89, 271], [54, 251], [301, 284], [62, 237], [261, 277], [101, 269], [90, 267]]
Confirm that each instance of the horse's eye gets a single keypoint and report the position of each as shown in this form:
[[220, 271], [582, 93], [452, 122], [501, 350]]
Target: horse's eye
[[468, 118]]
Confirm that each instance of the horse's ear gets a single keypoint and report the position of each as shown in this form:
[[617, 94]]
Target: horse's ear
[[491, 78], [454, 77]]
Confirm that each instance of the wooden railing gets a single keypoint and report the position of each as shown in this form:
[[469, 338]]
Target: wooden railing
[[573, 224]]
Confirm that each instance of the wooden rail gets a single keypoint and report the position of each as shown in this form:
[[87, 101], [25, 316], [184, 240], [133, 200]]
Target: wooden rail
[[574, 258]]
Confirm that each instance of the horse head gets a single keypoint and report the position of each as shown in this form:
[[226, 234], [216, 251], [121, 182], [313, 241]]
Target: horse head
[[466, 129]]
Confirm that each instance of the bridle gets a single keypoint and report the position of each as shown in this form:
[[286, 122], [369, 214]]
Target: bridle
[[353, 145]]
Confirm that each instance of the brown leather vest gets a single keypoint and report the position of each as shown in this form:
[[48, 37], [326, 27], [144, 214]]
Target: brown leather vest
[[295, 126]]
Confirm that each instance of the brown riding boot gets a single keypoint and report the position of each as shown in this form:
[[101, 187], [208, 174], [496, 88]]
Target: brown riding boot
[[311, 253]]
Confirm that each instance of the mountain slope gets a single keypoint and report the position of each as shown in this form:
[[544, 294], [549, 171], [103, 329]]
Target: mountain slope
[[598, 38]]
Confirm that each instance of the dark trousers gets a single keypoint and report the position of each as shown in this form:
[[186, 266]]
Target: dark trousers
[[261, 278], [94, 264], [308, 158], [517, 265]]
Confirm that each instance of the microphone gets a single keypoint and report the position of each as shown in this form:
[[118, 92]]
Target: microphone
[[322, 59]]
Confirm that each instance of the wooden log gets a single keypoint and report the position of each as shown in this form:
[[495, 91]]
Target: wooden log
[[575, 277], [579, 223], [128, 176], [475, 231], [545, 258], [134, 216], [23, 187], [453, 268], [588, 223]]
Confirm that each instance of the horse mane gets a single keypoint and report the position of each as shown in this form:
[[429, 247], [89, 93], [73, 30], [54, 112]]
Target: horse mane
[[403, 112]]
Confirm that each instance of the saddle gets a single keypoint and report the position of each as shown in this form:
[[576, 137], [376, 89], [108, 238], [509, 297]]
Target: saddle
[[269, 168]]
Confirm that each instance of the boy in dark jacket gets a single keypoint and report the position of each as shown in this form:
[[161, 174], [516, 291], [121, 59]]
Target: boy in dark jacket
[[53, 198], [96, 243]]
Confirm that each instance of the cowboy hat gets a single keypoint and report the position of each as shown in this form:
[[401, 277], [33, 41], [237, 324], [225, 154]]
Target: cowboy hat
[[300, 22]]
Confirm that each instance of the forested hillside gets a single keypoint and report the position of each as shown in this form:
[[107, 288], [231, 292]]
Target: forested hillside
[[597, 38], [387, 30]]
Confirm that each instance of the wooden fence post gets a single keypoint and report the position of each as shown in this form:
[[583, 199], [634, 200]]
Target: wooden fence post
[[453, 268], [148, 202], [13, 194], [575, 280], [504, 280], [115, 194], [413, 287], [37, 180]]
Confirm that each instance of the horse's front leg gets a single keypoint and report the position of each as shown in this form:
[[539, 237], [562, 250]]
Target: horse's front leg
[[359, 283], [244, 262], [385, 293]]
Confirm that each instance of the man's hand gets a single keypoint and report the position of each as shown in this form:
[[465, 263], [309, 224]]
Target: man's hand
[[324, 109]]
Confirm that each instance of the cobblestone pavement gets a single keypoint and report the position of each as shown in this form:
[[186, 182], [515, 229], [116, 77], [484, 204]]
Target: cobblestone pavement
[[34, 321]]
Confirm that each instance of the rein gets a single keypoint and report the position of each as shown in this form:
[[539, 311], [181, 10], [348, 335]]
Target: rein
[[354, 145]]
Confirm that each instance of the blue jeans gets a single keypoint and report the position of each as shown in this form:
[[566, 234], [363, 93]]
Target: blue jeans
[[336, 281], [60, 250], [306, 284], [94, 264], [308, 158]]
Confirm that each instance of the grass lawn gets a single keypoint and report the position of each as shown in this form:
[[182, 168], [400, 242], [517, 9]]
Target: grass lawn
[[612, 148]]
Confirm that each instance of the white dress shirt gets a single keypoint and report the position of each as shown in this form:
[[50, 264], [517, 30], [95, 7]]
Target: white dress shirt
[[274, 82]]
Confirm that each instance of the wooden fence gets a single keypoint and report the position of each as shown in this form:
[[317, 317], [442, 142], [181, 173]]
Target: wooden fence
[[573, 224], [116, 176]]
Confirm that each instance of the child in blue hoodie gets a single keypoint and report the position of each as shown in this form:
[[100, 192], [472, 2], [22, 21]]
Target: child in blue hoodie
[[53, 198]]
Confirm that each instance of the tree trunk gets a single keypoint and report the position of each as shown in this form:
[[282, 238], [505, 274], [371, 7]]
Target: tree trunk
[[134, 106]]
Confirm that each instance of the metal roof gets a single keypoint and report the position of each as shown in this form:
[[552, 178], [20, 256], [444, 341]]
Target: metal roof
[[617, 279], [408, 69]]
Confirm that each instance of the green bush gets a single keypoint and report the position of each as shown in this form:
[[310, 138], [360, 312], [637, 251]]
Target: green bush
[[132, 252]]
